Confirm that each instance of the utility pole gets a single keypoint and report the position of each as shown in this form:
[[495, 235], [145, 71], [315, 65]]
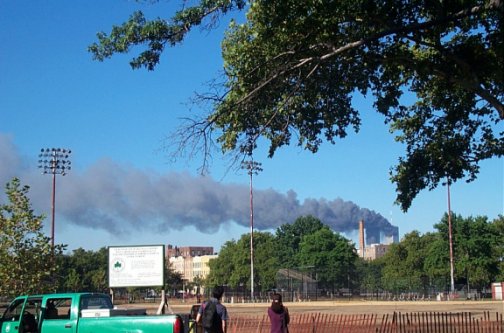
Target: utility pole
[[54, 161]]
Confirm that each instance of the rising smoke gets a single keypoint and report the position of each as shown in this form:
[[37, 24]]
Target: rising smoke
[[118, 199]]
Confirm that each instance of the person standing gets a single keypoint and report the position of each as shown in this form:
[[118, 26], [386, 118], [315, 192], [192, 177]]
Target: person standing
[[219, 312], [278, 315]]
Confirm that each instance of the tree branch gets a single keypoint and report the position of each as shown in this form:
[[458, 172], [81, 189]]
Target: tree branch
[[492, 100]]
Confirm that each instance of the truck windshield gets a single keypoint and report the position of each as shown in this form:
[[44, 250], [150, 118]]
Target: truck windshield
[[95, 302]]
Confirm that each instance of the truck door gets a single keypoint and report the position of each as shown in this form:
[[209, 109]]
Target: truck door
[[30, 320], [57, 316], [22, 316], [11, 318]]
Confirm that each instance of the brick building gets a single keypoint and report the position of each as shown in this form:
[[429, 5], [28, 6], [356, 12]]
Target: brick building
[[190, 261]]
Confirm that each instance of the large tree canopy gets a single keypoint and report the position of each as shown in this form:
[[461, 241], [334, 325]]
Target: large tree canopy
[[290, 236], [331, 255], [434, 68], [232, 267], [475, 244]]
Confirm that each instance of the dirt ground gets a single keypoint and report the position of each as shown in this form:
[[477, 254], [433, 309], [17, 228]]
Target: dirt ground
[[476, 308]]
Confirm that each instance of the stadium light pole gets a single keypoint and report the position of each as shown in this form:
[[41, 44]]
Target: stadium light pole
[[54, 161], [450, 240], [252, 168]]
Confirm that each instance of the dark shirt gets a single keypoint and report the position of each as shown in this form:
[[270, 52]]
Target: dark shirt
[[221, 311]]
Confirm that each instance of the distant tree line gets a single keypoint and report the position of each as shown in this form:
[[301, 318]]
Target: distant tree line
[[417, 264], [420, 263]]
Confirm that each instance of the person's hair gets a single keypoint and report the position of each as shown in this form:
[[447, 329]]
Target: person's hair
[[276, 304], [217, 292]]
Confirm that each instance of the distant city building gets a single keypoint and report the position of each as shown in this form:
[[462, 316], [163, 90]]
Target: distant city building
[[200, 266], [375, 251], [190, 261], [188, 251]]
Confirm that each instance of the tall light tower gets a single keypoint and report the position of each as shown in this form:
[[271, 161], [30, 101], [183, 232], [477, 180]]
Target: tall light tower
[[450, 240], [54, 161], [253, 168]]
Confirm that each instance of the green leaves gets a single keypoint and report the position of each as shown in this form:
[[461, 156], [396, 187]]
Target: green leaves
[[420, 262], [232, 267], [84, 270], [292, 69], [305, 245], [332, 256], [290, 236], [155, 34], [28, 260]]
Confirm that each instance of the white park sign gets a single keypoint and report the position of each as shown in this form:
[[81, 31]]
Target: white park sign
[[136, 266]]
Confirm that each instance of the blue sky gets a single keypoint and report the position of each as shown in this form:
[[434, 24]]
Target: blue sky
[[124, 190]]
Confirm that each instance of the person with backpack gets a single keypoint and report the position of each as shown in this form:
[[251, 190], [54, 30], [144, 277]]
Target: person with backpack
[[212, 315], [278, 315]]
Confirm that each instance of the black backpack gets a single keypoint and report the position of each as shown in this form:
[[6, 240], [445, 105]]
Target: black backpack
[[210, 320]]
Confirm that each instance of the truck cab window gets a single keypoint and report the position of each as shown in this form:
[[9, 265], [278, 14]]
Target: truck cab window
[[57, 308], [95, 302]]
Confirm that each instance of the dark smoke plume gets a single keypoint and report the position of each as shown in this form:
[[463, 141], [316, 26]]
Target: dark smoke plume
[[120, 199]]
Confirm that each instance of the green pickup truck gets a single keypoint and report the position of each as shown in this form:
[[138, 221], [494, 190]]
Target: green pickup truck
[[81, 313]]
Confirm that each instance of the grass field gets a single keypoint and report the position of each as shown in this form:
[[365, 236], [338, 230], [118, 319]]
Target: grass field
[[476, 308]]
